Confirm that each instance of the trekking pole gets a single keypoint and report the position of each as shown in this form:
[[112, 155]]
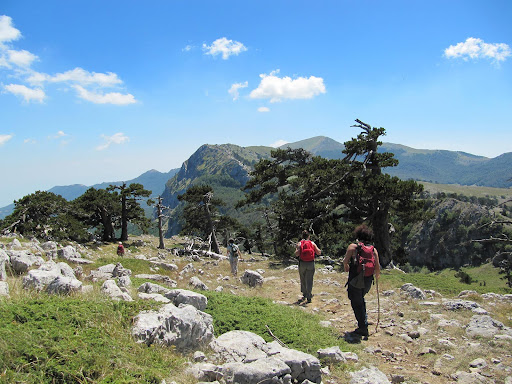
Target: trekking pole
[[378, 306]]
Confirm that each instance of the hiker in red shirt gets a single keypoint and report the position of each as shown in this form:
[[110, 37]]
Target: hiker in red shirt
[[120, 249], [306, 251]]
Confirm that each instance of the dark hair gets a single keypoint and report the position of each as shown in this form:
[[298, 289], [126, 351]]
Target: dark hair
[[363, 233], [305, 234], [231, 241]]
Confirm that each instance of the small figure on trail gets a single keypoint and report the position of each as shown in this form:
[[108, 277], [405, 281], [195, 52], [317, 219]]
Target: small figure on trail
[[120, 249], [306, 251], [362, 263], [233, 253]]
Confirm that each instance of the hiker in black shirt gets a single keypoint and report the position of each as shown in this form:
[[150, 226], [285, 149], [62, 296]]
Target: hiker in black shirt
[[358, 283]]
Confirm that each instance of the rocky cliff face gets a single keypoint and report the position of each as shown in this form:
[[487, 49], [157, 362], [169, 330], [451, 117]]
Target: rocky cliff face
[[444, 239], [225, 167]]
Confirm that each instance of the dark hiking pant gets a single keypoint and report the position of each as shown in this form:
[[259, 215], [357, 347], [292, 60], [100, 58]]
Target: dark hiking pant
[[356, 297], [306, 273]]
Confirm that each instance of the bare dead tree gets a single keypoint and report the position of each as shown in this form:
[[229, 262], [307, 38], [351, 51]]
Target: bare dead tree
[[160, 208], [207, 199]]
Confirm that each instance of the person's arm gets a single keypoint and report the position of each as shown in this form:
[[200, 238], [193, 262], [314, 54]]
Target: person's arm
[[377, 263], [297, 249], [318, 251], [239, 253], [351, 251]]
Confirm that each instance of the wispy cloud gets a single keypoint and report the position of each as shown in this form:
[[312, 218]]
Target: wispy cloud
[[28, 94], [4, 139], [474, 48], [225, 47], [263, 109], [278, 143], [278, 88], [107, 98], [118, 138], [233, 91], [187, 48], [89, 85], [29, 141]]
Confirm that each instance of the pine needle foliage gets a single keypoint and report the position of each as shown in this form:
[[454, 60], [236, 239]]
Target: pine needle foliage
[[71, 340], [292, 326]]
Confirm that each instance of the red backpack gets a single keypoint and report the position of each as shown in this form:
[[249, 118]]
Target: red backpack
[[365, 259], [307, 252]]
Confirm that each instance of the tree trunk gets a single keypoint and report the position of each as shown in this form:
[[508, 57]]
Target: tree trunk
[[160, 231], [108, 228], [124, 218]]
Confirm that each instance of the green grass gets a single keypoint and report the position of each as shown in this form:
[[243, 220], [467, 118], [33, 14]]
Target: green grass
[[76, 340], [294, 327], [485, 278]]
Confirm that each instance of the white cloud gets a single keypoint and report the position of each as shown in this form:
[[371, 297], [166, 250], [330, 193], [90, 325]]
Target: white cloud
[[225, 47], [278, 88], [278, 143], [107, 98], [118, 138], [7, 31], [58, 135], [233, 91], [29, 141], [21, 58], [263, 109], [187, 48], [474, 48], [27, 93], [83, 77], [4, 139]]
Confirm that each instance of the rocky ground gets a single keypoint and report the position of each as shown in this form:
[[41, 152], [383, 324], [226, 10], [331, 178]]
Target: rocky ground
[[416, 337]]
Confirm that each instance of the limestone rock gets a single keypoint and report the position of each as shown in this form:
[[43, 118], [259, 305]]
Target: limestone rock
[[252, 278], [184, 327]]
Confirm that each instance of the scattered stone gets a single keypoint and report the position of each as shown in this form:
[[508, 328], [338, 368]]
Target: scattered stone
[[183, 296], [199, 356], [252, 278], [4, 288], [159, 278], [426, 351], [478, 363], [196, 283], [111, 289], [484, 326], [4, 259], [412, 291], [369, 376], [64, 285], [454, 305], [470, 378], [153, 296], [397, 378]]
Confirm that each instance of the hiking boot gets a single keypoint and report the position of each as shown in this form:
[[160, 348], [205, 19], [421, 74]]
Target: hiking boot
[[301, 300], [308, 301], [362, 331]]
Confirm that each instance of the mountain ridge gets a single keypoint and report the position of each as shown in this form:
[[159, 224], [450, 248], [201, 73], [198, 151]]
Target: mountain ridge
[[437, 166]]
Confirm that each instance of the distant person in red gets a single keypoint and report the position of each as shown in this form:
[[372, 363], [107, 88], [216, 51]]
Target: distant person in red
[[306, 250], [120, 250]]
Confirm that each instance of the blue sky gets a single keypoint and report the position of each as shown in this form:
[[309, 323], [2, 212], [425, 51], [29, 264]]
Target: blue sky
[[94, 91]]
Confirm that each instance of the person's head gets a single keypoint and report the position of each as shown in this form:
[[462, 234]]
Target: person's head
[[305, 234], [120, 243], [231, 241], [363, 233]]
